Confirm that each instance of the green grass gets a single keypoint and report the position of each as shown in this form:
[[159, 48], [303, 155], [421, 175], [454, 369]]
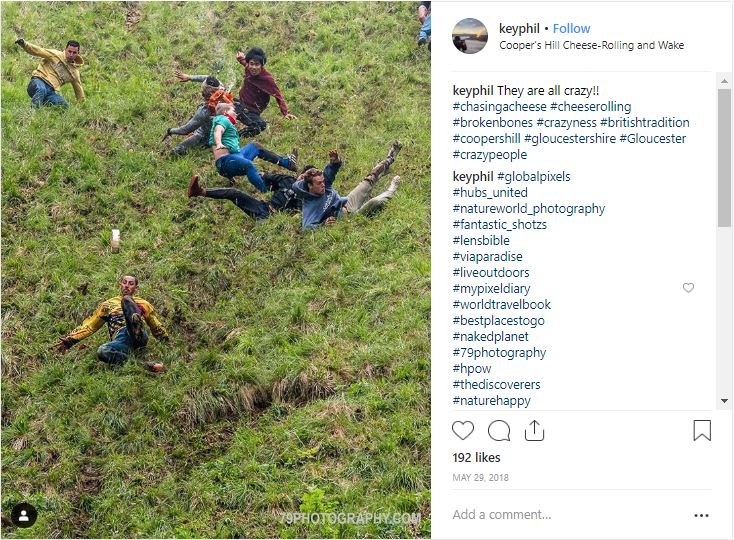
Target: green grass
[[298, 372]]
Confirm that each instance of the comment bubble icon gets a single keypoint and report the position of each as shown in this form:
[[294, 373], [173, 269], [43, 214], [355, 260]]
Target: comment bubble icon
[[499, 430]]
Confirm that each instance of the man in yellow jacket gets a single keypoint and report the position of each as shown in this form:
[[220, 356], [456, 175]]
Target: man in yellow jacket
[[124, 316], [56, 69]]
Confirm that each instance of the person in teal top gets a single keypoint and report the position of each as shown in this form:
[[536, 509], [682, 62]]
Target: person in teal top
[[228, 136], [232, 161]]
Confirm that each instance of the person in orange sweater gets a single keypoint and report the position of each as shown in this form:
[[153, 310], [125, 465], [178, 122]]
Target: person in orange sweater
[[124, 316], [56, 69]]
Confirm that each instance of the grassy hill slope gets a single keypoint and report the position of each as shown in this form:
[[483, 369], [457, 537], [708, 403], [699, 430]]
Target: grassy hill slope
[[298, 366]]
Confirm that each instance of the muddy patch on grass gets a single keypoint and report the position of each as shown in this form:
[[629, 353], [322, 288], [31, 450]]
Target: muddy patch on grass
[[88, 486], [132, 15]]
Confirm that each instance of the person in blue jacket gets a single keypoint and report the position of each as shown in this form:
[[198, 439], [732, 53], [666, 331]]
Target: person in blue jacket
[[424, 16], [322, 204]]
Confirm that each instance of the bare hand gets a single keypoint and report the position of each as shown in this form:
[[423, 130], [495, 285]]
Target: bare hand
[[60, 347], [181, 76], [240, 56], [290, 116], [333, 156], [330, 220]]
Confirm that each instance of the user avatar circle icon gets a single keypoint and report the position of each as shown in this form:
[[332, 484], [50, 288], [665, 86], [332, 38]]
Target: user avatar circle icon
[[23, 515], [469, 36]]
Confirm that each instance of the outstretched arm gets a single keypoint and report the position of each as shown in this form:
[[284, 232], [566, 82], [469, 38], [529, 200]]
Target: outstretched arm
[[185, 77], [35, 50], [198, 120], [332, 168], [90, 325], [266, 83], [281, 102]]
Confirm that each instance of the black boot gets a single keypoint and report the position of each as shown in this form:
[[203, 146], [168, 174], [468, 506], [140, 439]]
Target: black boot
[[134, 321]]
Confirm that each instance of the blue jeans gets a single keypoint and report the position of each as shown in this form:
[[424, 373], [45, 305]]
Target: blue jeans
[[117, 351], [241, 164], [42, 93]]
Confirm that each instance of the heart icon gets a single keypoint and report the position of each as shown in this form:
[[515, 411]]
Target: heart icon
[[462, 429], [688, 287]]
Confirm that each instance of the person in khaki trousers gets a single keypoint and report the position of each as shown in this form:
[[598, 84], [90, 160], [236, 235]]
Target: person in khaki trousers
[[322, 204]]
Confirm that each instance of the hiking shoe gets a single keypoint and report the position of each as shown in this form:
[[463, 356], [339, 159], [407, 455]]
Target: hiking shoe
[[394, 184], [195, 190], [134, 321], [395, 148], [293, 160], [154, 367]]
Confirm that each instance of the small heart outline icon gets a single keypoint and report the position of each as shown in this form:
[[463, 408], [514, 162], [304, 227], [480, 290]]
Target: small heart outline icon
[[462, 429], [688, 287]]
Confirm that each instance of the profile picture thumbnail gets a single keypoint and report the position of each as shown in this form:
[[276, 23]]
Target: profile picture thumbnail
[[469, 36]]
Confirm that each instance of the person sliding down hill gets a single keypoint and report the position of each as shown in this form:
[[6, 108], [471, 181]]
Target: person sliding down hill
[[424, 16], [257, 87], [56, 69], [124, 316], [200, 124], [230, 160], [322, 203], [424, 36]]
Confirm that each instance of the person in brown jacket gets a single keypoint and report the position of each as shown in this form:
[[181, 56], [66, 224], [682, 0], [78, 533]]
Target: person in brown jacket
[[56, 69], [258, 86]]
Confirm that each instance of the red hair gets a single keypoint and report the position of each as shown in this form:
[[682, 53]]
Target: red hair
[[219, 96]]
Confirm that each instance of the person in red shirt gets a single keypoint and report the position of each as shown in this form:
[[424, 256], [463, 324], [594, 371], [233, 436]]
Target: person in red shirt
[[257, 87]]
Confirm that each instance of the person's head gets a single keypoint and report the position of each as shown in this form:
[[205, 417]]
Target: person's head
[[71, 51], [315, 181], [225, 108], [255, 59], [128, 285], [209, 86], [423, 11]]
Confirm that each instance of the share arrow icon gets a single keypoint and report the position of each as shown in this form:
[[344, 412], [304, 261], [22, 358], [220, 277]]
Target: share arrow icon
[[535, 434]]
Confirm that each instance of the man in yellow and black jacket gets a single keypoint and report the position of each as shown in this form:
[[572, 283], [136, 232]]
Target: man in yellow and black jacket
[[56, 69], [124, 316]]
